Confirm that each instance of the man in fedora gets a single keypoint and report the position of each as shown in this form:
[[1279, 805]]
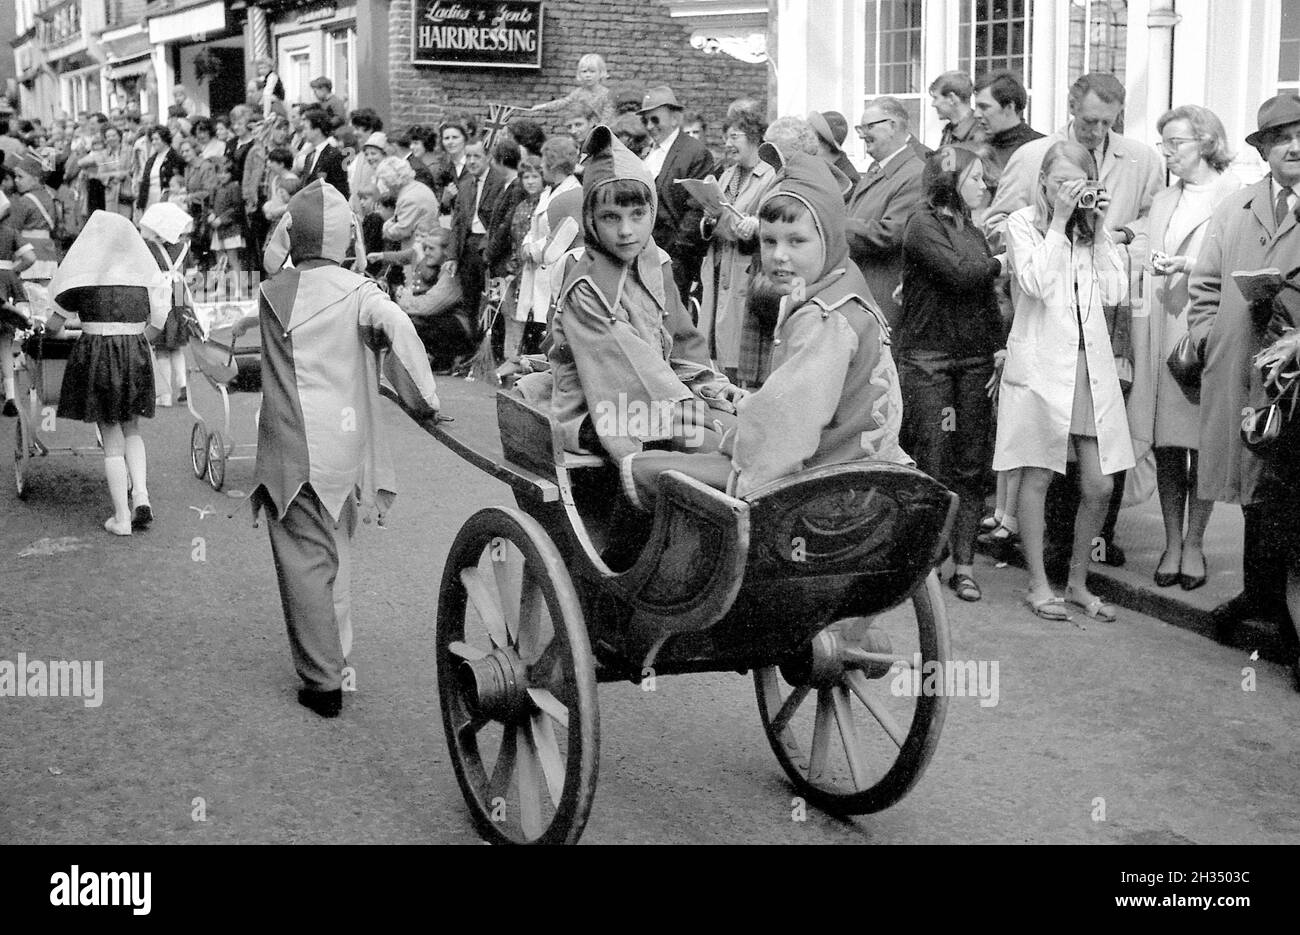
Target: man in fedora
[[673, 156], [1254, 228], [832, 129]]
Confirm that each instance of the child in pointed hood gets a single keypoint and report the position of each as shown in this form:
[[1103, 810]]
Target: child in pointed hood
[[628, 365], [833, 394]]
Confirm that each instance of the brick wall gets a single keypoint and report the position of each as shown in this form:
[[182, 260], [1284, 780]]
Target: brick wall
[[641, 44]]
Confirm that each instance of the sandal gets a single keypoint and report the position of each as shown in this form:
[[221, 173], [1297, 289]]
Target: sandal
[[1049, 608], [1097, 609], [999, 536], [964, 587], [990, 523]]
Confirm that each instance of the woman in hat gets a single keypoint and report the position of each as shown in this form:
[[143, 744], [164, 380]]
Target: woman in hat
[[122, 300]]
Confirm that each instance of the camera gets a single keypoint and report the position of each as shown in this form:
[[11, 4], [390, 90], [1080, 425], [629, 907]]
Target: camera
[[1091, 192]]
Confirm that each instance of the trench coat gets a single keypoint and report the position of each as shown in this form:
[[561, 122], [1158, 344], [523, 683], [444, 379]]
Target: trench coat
[[1241, 236], [725, 273], [1036, 394], [1160, 316]]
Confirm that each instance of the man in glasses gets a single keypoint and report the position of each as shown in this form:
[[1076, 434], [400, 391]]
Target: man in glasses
[[1131, 174], [883, 200], [673, 156], [1254, 228]]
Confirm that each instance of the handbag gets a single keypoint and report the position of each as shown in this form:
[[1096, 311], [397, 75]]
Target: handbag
[[1186, 365], [1272, 430]]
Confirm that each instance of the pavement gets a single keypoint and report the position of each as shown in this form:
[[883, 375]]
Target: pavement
[[1140, 533]]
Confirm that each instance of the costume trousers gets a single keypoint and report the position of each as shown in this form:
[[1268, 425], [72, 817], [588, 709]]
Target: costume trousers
[[313, 560], [946, 415]]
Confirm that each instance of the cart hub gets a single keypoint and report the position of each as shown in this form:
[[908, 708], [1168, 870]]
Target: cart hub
[[841, 647], [494, 686]]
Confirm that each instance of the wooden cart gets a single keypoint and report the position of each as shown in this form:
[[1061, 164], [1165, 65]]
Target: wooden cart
[[796, 582]]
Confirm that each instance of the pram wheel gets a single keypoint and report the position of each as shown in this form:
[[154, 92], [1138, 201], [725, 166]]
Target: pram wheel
[[22, 452], [216, 461], [199, 450]]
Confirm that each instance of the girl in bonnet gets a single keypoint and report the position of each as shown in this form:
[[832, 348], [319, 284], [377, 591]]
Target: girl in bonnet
[[122, 301]]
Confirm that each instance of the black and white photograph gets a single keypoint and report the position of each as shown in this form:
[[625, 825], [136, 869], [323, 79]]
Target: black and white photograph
[[651, 422]]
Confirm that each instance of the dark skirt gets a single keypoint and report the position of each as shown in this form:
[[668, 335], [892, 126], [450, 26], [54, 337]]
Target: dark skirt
[[174, 336], [109, 378]]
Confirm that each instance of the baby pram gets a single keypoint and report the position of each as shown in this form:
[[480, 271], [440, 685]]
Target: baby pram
[[226, 366]]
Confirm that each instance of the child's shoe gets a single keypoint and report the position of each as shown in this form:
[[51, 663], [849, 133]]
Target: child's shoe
[[118, 527]]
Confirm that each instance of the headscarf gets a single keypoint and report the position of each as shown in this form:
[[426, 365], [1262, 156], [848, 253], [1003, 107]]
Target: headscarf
[[88, 263], [608, 160], [808, 179], [317, 225]]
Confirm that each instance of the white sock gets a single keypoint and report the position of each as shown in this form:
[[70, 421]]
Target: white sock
[[135, 466], [997, 515], [1011, 523], [115, 471], [178, 369]]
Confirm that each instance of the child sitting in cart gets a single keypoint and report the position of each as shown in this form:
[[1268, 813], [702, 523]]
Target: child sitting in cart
[[627, 364], [122, 301], [833, 394]]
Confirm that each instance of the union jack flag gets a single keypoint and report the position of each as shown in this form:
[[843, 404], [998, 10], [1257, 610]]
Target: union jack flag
[[498, 117]]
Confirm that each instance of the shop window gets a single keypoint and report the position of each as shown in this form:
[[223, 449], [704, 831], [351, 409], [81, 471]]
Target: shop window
[[1288, 59], [1098, 34], [297, 77], [893, 53]]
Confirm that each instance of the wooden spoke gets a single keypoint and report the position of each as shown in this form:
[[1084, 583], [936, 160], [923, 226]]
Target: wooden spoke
[[499, 784], [548, 754], [858, 683], [788, 709], [821, 739], [465, 651], [535, 627], [530, 802], [849, 736], [550, 705], [482, 594], [505, 565]]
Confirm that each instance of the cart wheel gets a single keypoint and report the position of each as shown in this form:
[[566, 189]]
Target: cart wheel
[[199, 450], [216, 461], [517, 682], [22, 456], [863, 738]]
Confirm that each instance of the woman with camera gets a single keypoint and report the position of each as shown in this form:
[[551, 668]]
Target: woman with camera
[[1059, 395]]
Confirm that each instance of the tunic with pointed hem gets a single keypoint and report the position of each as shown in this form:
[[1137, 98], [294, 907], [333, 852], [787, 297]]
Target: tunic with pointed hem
[[325, 334]]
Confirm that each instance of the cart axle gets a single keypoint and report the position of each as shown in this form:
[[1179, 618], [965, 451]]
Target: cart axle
[[495, 686]]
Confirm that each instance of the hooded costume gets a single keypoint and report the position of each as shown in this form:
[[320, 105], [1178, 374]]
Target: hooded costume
[[325, 331], [116, 293], [833, 394], [622, 344]]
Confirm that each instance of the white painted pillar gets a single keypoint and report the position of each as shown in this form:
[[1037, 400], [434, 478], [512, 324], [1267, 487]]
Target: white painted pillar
[[821, 58], [1049, 73]]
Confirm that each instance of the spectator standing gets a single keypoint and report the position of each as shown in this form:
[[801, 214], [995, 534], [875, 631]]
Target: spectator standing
[[1131, 174], [247, 167], [945, 340], [883, 201], [325, 160], [950, 95], [413, 203], [1251, 229], [323, 90], [474, 206], [1162, 417], [1060, 388], [675, 156], [999, 107], [732, 236], [161, 165], [406, 144], [832, 130], [549, 233], [505, 157]]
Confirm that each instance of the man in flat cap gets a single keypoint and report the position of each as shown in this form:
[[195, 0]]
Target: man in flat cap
[[675, 156], [1255, 228]]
